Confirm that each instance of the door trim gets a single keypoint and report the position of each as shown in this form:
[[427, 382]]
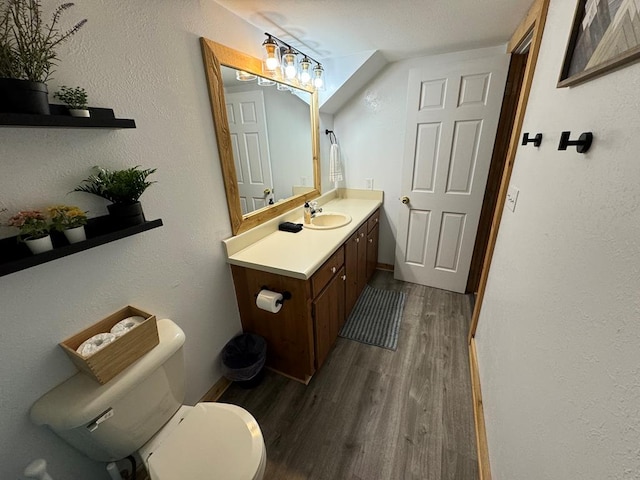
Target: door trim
[[533, 21]]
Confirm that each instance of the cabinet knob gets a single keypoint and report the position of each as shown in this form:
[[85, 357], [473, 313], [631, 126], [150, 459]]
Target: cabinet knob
[[375, 220], [362, 235], [371, 240], [333, 269], [344, 277], [357, 239]]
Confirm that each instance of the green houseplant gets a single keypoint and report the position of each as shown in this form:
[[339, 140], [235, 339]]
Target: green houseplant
[[28, 53], [121, 187], [75, 98]]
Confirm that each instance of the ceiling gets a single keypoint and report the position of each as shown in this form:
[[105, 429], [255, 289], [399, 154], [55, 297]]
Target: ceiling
[[399, 29]]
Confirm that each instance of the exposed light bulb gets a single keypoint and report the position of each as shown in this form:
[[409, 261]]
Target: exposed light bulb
[[272, 55], [318, 79], [305, 71], [289, 64]]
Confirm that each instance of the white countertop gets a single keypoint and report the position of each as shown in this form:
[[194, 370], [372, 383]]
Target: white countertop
[[300, 254]]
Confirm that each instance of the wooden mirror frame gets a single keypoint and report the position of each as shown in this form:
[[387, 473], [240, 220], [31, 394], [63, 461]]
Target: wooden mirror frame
[[214, 55]]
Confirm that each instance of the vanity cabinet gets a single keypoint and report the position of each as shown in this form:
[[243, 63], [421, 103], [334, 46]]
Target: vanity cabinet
[[372, 243], [328, 316], [300, 336], [356, 267]]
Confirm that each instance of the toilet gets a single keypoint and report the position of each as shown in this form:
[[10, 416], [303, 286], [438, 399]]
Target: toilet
[[141, 410]]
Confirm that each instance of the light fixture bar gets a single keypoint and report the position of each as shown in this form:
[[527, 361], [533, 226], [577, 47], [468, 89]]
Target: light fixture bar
[[292, 48]]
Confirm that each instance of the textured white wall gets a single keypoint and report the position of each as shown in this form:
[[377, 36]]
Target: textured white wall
[[143, 59], [558, 338], [370, 129]]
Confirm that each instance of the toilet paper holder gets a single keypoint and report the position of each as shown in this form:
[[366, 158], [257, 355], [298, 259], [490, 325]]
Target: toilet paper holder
[[286, 295]]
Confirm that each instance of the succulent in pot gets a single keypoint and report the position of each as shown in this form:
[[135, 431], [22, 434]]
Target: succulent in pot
[[121, 187], [28, 54], [75, 98]]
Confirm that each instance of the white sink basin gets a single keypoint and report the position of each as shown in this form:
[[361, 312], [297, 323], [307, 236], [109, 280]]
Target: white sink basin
[[328, 220]]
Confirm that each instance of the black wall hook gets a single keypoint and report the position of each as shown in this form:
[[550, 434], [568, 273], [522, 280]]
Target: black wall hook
[[537, 140], [332, 136], [583, 144]]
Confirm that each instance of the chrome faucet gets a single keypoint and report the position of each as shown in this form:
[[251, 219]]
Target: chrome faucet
[[314, 208]]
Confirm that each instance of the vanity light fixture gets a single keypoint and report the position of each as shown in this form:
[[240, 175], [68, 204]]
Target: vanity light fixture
[[289, 69], [318, 77], [271, 61], [265, 82], [243, 76], [280, 62], [305, 71]]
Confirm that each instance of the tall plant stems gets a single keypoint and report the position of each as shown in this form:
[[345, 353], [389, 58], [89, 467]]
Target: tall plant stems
[[27, 44]]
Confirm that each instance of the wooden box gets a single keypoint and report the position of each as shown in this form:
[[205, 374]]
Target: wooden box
[[112, 359]]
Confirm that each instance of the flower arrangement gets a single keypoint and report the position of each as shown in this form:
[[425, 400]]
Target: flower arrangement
[[75, 98], [31, 223], [64, 217]]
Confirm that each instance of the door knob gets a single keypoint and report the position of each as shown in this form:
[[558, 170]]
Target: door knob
[[404, 199]]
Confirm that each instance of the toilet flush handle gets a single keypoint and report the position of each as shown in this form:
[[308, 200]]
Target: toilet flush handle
[[106, 415]]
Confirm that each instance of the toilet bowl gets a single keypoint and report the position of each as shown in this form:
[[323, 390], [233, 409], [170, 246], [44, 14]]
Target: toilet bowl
[[217, 438], [141, 410]]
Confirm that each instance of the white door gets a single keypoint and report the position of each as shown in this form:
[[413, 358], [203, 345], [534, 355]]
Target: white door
[[452, 118], [248, 129]]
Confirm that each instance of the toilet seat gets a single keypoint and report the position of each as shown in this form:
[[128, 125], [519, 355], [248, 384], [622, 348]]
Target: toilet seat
[[213, 441]]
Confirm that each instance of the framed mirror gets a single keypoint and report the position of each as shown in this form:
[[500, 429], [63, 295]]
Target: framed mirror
[[268, 138]]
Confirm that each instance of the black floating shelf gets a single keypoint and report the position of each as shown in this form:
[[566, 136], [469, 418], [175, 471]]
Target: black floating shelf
[[60, 118], [15, 256]]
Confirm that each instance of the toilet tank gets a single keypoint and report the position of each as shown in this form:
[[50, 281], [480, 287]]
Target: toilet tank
[[111, 421]]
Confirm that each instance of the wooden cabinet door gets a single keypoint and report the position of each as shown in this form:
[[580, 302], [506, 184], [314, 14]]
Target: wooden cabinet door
[[328, 315], [355, 269], [372, 251], [362, 258]]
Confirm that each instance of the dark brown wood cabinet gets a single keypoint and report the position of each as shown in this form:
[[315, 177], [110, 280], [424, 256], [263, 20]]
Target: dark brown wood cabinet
[[300, 336], [356, 267], [328, 314]]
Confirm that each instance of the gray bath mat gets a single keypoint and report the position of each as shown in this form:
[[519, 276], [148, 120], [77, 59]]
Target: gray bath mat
[[375, 319]]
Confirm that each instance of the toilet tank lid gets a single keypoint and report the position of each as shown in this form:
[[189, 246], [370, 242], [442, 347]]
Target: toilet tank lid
[[80, 399]]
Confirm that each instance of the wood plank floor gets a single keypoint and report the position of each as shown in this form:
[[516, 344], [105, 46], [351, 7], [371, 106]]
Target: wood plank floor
[[376, 414]]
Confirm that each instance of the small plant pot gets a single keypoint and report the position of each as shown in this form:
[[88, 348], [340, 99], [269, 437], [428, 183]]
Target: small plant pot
[[75, 235], [126, 215], [23, 96], [79, 112], [39, 245]]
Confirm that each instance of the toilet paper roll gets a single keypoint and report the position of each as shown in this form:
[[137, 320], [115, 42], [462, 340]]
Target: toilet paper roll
[[269, 301], [95, 343], [123, 326]]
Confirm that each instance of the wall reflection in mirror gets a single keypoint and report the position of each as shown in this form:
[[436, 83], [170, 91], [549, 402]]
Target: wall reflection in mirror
[[269, 125]]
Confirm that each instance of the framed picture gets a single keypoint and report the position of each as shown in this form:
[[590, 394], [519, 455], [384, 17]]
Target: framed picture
[[605, 36]]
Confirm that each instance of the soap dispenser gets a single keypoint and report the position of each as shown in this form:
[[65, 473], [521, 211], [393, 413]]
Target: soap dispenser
[[307, 213]]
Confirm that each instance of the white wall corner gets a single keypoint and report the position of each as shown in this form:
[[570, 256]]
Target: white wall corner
[[346, 76]]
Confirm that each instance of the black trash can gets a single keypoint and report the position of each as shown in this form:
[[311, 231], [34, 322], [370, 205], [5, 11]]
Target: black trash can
[[243, 359]]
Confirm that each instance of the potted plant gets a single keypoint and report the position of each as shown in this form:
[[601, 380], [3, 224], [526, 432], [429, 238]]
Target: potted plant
[[75, 99], [121, 187], [28, 54], [69, 220], [34, 230]]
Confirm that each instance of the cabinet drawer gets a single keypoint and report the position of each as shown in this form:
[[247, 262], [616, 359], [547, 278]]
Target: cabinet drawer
[[373, 220], [326, 272]]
